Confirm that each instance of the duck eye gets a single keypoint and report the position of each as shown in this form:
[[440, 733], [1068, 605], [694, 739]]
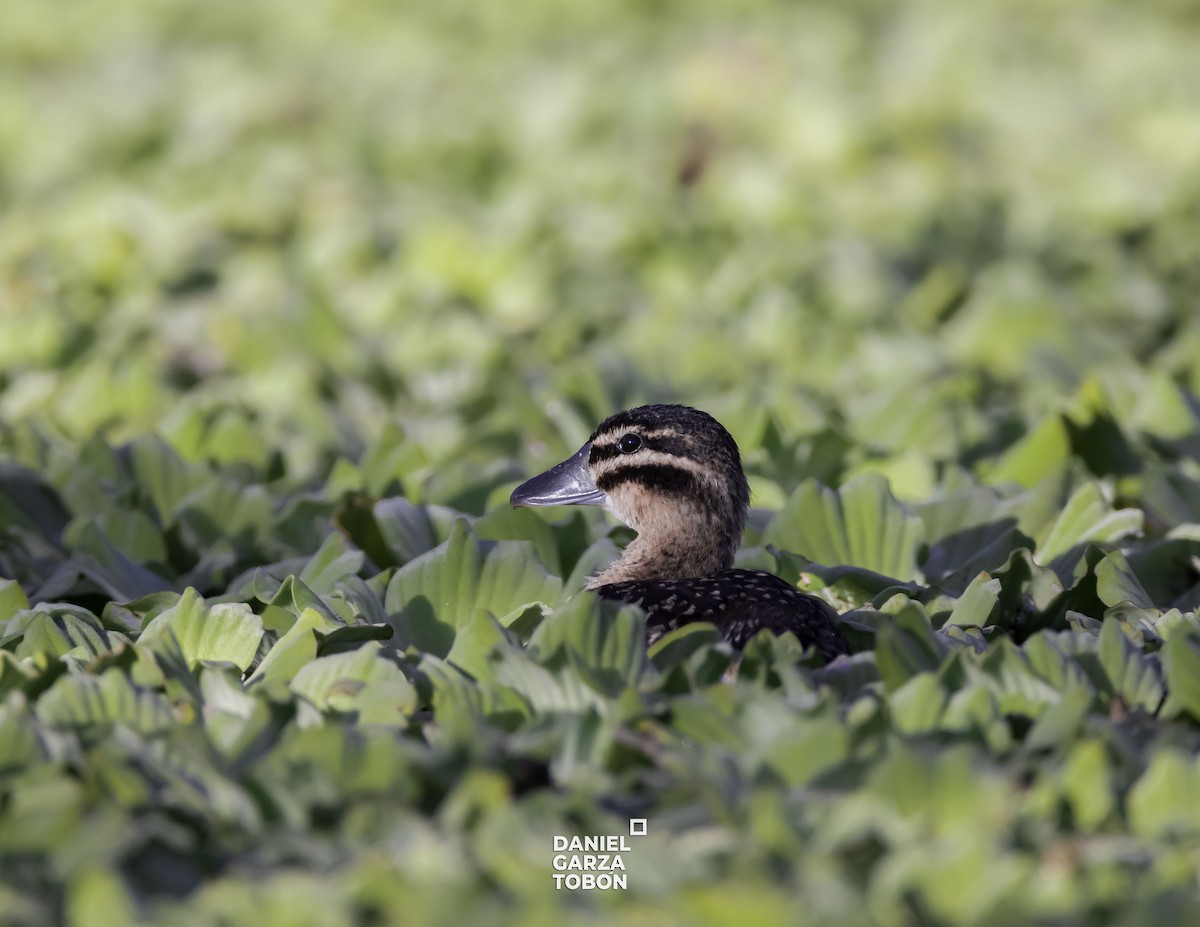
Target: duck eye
[[629, 443]]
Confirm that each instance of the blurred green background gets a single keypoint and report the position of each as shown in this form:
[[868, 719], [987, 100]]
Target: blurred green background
[[280, 226], [418, 250]]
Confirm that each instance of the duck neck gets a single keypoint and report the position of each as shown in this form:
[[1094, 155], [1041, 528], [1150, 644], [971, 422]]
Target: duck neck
[[674, 555]]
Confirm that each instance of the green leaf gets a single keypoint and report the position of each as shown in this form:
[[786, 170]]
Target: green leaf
[[1166, 571], [1181, 666], [130, 531], [12, 598], [1087, 782], [1165, 409], [462, 706], [1088, 516], [407, 530], [680, 645], [917, 705], [474, 643], [1171, 495], [362, 681], [1116, 582], [393, 456], [292, 651], [1040, 454], [29, 504], [289, 595], [1028, 591], [98, 896], [79, 701], [592, 560], [1021, 688], [509, 524], [1133, 675], [851, 676], [221, 509], [805, 749], [135, 615], [350, 636], [56, 630], [358, 600], [42, 809], [976, 710], [355, 518], [554, 687], [1061, 721], [974, 608], [20, 746], [906, 646], [164, 475], [224, 632], [329, 564], [97, 560], [430, 598], [1162, 803], [860, 525], [607, 638], [959, 557]]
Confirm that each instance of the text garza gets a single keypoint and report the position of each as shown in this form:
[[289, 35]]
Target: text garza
[[597, 862]]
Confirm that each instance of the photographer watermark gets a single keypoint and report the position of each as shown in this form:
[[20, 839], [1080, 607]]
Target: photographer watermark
[[594, 862]]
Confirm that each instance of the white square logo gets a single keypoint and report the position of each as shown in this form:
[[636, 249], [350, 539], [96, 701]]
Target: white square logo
[[637, 827]]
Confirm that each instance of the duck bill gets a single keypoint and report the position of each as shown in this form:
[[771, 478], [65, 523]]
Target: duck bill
[[567, 483]]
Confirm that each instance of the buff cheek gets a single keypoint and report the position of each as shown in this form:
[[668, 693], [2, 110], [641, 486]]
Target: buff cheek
[[620, 504], [635, 505]]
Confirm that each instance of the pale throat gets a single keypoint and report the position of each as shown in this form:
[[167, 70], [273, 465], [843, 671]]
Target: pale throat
[[686, 544]]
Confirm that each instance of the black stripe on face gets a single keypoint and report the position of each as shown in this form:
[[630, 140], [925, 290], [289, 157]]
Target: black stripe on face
[[668, 444], [661, 477]]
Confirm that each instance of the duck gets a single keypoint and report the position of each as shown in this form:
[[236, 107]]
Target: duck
[[674, 475]]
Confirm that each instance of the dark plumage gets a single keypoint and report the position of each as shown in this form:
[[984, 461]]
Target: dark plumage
[[739, 602], [674, 475]]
